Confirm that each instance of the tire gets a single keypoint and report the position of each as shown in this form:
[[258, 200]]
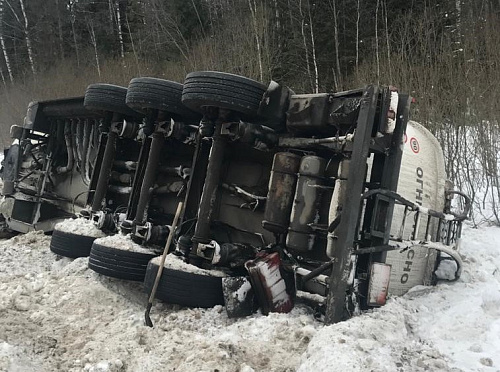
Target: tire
[[185, 288], [118, 263], [107, 97], [70, 245], [151, 93], [223, 90]]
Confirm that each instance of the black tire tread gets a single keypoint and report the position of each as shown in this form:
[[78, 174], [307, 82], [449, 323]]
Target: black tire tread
[[226, 84], [106, 271], [185, 288], [224, 76], [153, 93], [118, 263], [123, 259], [233, 92], [70, 245], [107, 97], [116, 266], [122, 254]]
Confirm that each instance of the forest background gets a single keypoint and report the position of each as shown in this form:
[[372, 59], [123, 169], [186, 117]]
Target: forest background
[[445, 53]]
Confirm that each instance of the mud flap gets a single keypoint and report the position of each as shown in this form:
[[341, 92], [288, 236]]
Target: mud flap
[[239, 296], [272, 285]]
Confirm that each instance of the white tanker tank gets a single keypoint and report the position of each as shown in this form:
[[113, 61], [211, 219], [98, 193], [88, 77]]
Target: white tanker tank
[[421, 180]]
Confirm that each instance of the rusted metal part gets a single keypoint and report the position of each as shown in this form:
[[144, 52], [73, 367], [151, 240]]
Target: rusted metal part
[[105, 171], [323, 113], [338, 142], [256, 135], [87, 131], [305, 212], [281, 192], [209, 198], [317, 271], [149, 177], [68, 140], [347, 229]]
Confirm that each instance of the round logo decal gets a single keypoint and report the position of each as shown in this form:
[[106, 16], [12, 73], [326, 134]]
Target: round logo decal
[[415, 147]]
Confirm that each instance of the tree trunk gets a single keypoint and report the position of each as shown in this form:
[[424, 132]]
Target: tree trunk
[[2, 43], [316, 77], [133, 45], [120, 30], [387, 41], [59, 30], [93, 40], [358, 16], [76, 43], [253, 11], [304, 40], [27, 38], [277, 24], [199, 18], [73, 31], [338, 76], [376, 42], [3, 78]]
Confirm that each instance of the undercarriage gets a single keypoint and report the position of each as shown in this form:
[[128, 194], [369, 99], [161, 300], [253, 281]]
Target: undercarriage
[[334, 199]]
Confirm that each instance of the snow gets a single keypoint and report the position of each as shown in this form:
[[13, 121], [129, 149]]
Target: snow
[[123, 242], [242, 292], [450, 327], [176, 263], [57, 315], [80, 226]]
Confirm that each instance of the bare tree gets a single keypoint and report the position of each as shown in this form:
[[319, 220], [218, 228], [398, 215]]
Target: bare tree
[[253, 11], [358, 17], [306, 48], [2, 42], [59, 29], [120, 31], [72, 17], [384, 5], [133, 45], [313, 46], [28, 38], [376, 42], [93, 40], [337, 75]]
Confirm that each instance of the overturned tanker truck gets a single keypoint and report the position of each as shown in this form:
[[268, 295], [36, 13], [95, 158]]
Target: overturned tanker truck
[[332, 199]]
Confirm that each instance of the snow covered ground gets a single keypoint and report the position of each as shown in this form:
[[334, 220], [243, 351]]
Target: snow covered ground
[[57, 315]]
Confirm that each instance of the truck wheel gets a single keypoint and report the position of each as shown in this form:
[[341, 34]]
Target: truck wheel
[[108, 97], [119, 263], [183, 287], [151, 93], [223, 90], [71, 245]]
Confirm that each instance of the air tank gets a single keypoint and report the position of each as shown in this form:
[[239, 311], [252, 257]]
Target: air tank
[[306, 205], [281, 192]]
